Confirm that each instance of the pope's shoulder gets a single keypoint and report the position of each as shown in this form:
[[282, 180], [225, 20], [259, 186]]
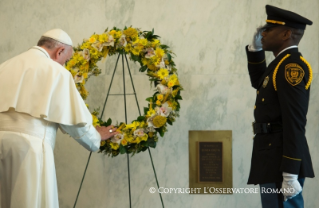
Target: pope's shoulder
[[37, 61]]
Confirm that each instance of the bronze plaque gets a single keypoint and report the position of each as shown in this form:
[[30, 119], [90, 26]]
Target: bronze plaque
[[210, 157], [210, 162]]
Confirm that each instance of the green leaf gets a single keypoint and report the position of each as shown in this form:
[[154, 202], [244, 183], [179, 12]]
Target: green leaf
[[161, 132], [108, 122], [149, 99], [151, 142], [141, 118], [153, 31], [143, 68], [122, 149], [146, 110], [155, 37], [169, 57], [169, 122], [134, 58], [178, 97], [164, 47]]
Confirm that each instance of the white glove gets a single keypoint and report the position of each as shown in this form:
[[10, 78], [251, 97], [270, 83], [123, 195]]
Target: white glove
[[290, 186], [256, 43]]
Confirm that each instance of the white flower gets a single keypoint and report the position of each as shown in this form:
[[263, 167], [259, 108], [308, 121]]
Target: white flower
[[149, 52], [110, 41], [78, 78], [122, 41], [150, 129], [150, 122], [117, 138], [139, 132], [162, 89], [99, 46], [164, 110], [162, 64], [85, 53]]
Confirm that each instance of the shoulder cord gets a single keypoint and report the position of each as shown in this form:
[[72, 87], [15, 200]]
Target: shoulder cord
[[280, 62], [310, 72]]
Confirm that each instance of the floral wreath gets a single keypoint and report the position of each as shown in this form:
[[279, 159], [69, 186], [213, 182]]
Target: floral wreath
[[154, 58]]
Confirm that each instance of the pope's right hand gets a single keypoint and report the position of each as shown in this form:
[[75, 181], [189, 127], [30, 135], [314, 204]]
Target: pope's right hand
[[106, 132]]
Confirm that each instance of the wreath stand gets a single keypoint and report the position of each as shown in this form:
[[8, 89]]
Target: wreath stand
[[128, 158]]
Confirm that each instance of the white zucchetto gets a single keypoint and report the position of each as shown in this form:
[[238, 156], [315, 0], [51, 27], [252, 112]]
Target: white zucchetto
[[59, 35]]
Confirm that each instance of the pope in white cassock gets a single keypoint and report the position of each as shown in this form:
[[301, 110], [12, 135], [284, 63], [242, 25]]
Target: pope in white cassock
[[38, 96]]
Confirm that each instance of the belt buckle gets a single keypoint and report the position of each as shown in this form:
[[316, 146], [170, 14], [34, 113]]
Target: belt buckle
[[268, 128]]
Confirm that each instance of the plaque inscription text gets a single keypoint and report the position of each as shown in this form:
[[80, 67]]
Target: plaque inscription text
[[210, 162]]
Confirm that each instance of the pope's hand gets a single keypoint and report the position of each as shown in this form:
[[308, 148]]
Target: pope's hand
[[290, 186], [106, 132], [256, 42]]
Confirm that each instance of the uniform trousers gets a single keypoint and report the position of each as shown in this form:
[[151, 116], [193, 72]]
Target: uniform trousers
[[276, 200]]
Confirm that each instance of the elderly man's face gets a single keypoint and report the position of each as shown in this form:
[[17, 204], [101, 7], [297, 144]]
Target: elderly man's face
[[64, 55]]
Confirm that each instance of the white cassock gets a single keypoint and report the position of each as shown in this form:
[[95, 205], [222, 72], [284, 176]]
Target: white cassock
[[37, 96]]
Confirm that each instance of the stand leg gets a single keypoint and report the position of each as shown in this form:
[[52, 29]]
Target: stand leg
[[128, 158], [149, 151], [87, 164]]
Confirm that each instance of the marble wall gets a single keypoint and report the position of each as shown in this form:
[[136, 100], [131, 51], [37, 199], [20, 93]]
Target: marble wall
[[209, 39]]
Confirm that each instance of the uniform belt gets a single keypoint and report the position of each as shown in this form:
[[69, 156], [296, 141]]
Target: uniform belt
[[266, 128]]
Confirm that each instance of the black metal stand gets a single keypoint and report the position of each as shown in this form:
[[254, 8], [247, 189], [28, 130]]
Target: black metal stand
[[128, 159]]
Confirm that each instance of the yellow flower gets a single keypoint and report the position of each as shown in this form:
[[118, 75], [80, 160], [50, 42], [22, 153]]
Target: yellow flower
[[115, 34], [143, 42], [124, 142], [159, 52], [160, 97], [158, 102], [86, 45], [114, 146], [150, 134], [130, 33], [92, 39], [151, 112], [133, 125], [103, 143], [173, 78], [170, 84], [151, 67], [162, 73], [121, 127], [174, 93], [166, 62], [128, 48], [128, 138], [103, 38], [136, 51], [159, 121], [142, 124], [163, 82], [144, 138], [95, 121], [155, 43]]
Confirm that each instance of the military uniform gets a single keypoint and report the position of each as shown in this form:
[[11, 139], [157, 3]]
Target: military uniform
[[280, 113]]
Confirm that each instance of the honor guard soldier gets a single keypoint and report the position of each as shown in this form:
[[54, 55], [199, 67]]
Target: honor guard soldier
[[280, 157]]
